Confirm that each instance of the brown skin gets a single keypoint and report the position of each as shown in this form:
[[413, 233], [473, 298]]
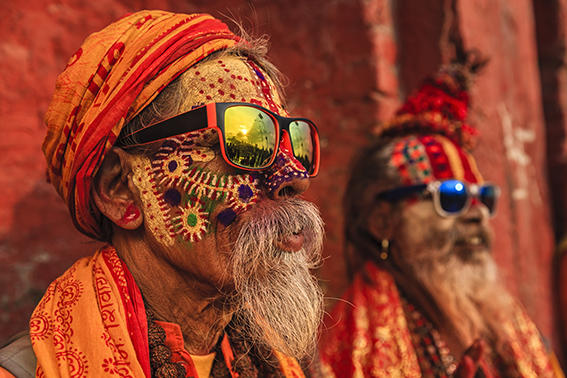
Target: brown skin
[[187, 285], [184, 285], [416, 230], [189, 291]]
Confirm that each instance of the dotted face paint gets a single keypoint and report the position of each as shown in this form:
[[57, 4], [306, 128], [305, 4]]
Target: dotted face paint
[[179, 195], [285, 168]]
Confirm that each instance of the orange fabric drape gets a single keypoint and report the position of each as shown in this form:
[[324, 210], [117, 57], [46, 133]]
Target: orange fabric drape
[[91, 322]]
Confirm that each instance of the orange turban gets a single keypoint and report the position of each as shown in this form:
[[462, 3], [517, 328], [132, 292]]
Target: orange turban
[[111, 78]]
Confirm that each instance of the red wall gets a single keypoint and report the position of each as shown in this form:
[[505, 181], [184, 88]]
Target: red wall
[[349, 63]]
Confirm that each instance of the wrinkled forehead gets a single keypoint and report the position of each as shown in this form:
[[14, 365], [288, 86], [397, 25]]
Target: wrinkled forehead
[[427, 158], [230, 78]]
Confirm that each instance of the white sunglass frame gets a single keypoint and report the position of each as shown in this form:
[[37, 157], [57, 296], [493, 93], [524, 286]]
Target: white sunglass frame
[[472, 190]]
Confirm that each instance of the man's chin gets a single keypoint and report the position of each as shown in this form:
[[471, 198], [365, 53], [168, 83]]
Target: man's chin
[[283, 312]]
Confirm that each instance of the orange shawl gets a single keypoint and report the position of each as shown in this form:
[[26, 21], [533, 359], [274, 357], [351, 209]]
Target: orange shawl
[[111, 78], [368, 335], [91, 322]]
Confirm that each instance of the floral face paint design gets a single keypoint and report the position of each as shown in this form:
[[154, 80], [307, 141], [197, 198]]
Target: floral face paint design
[[179, 196]]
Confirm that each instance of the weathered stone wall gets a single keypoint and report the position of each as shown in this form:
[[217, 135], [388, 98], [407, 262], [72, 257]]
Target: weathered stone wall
[[349, 62]]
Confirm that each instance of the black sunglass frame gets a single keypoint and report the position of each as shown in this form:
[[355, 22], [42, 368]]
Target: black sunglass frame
[[212, 115]]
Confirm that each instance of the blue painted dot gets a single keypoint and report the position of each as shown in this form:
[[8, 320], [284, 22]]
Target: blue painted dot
[[172, 197], [245, 192], [172, 166], [226, 217]]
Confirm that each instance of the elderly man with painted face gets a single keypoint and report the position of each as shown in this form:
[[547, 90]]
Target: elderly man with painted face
[[426, 300], [168, 139]]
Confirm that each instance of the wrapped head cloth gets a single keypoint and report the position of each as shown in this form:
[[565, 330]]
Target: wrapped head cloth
[[110, 79]]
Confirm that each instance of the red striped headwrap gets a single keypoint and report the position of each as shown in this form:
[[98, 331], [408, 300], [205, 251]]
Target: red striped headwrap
[[110, 79]]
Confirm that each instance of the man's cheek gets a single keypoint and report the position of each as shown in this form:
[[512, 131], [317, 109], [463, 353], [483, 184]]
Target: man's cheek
[[180, 196]]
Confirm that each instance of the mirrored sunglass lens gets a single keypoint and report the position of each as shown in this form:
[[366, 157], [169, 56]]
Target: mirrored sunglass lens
[[250, 136], [452, 196], [302, 143], [488, 195]]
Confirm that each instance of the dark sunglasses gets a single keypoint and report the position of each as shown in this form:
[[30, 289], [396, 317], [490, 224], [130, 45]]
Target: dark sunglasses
[[249, 134], [450, 197]]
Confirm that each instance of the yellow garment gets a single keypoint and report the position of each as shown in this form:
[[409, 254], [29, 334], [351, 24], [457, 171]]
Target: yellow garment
[[203, 364]]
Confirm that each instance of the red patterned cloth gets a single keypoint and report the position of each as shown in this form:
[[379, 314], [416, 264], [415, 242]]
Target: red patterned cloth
[[110, 79], [421, 159], [371, 333], [433, 138]]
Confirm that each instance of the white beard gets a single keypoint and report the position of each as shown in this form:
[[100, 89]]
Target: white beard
[[279, 302], [469, 293]]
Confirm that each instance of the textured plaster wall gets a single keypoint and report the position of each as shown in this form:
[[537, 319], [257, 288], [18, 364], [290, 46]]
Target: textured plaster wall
[[348, 62]]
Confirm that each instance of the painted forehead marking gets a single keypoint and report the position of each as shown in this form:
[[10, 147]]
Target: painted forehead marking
[[264, 88], [229, 79]]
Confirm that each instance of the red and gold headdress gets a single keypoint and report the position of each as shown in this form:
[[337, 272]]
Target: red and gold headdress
[[111, 78], [435, 136]]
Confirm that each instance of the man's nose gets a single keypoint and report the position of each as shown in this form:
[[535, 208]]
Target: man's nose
[[476, 213], [286, 178]]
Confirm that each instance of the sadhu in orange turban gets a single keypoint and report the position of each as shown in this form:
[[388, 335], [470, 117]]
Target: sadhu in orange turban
[[109, 80]]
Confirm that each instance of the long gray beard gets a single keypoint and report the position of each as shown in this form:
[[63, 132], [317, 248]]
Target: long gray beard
[[469, 293], [279, 302]]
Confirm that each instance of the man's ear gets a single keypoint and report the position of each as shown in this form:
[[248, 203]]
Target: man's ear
[[112, 191], [381, 221]]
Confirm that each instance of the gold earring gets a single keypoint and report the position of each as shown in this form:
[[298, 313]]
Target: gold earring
[[384, 249]]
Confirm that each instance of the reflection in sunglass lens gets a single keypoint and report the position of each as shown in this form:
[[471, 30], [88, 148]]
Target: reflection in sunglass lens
[[302, 143], [250, 136], [488, 195], [452, 196]]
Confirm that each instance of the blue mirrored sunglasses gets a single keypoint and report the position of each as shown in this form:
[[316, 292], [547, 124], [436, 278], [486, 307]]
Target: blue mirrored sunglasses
[[450, 197]]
